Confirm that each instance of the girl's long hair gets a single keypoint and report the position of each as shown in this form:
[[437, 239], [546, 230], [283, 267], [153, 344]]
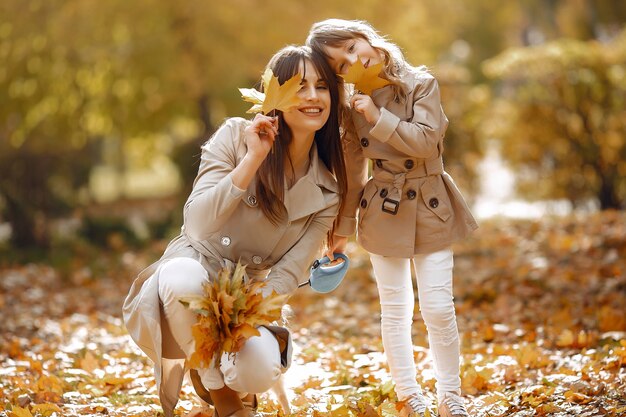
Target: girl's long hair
[[270, 185], [335, 32]]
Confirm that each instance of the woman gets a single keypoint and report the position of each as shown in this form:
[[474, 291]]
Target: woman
[[266, 194]]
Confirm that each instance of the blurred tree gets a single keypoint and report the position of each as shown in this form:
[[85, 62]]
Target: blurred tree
[[577, 19], [133, 86], [72, 80], [464, 104], [562, 119]]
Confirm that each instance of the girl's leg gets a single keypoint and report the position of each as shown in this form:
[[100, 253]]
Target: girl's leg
[[434, 283], [393, 278]]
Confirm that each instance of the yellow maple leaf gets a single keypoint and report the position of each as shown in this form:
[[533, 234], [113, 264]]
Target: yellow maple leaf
[[276, 97], [89, 363], [20, 412], [47, 409], [364, 79]]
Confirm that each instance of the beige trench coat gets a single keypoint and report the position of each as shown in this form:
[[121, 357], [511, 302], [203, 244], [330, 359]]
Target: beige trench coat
[[223, 225], [410, 205]]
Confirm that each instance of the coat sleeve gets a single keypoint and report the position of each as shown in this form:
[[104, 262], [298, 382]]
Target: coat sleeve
[[356, 173], [214, 196], [420, 136], [293, 266]]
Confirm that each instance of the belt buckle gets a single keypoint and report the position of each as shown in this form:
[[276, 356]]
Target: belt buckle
[[390, 206]]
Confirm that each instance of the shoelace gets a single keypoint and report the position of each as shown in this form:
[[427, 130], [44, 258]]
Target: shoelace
[[417, 403], [455, 405]]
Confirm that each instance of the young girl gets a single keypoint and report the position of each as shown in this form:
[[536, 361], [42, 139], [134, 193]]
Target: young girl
[[267, 194], [410, 209]]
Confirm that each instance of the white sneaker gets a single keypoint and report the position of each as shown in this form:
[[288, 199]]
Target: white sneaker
[[452, 405], [415, 406]]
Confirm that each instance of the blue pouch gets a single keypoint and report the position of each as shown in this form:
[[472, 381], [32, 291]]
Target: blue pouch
[[325, 277]]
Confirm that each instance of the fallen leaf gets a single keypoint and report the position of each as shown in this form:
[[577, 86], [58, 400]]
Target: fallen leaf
[[20, 412], [46, 409]]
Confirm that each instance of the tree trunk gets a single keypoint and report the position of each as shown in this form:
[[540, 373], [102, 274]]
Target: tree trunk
[[607, 194], [27, 225], [204, 112]]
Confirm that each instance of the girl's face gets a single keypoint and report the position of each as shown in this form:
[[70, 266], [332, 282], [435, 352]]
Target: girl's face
[[312, 113], [346, 54]]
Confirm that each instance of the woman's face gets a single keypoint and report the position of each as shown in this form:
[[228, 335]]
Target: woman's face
[[346, 54], [314, 108]]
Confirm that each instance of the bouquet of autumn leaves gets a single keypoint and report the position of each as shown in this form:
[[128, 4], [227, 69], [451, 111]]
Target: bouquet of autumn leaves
[[229, 312]]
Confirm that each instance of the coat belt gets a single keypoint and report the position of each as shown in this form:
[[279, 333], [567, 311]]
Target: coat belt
[[422, 168]]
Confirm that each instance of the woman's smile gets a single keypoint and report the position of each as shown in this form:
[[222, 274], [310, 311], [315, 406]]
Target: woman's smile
[[312, 111]]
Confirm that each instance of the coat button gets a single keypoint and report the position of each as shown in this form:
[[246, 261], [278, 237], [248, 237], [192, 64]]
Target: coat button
[[408, 164], [411, 194], [433, 203], [363, 203], [225, 241], [256, 259], [383, 193], [379, 163], [252, 200], [365, 142]]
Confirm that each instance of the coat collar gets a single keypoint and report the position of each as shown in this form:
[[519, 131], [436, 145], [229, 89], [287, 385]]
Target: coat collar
[[306, 196]]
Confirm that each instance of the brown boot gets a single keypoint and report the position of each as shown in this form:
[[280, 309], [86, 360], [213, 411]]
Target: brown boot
[[250, 402]]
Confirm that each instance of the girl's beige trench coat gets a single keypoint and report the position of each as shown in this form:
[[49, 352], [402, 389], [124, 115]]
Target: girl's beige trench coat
[[223, 225], [410, 205]]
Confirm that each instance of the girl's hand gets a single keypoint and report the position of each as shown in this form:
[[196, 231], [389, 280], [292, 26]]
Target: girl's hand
[[339, 246], [363, 104], [260, 136]]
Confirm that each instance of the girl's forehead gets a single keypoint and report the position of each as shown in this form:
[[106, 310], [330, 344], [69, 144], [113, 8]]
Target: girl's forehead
[[335, 53]]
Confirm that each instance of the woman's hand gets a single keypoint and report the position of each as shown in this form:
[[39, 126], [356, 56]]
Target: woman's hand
[[363, 104], [338, 246], [260, 136]]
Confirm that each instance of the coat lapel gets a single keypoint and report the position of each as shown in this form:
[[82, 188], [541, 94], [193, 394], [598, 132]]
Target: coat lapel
[[306, 196]]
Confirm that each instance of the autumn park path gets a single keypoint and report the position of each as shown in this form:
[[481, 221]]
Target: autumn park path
[[540, 306]]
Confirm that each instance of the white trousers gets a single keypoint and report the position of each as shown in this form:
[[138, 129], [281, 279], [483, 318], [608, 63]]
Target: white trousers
[[254, 369], [434, 284]]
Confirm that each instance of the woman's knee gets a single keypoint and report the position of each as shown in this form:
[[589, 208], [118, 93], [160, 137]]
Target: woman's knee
[[257, 367], [180, 276]]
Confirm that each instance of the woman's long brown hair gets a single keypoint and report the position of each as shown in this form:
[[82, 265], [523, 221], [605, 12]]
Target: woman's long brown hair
[[270, 186]]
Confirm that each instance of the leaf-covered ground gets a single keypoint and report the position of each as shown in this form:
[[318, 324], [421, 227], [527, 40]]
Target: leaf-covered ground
[[540, 305]]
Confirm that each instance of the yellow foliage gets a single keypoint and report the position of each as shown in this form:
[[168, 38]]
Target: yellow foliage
[[47, 409], [276, 96], [364, 79], [20, 412], [228, 314]]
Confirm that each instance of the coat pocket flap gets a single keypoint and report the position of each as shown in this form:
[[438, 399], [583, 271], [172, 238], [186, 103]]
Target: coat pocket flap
[[435, 198], [369, 192]]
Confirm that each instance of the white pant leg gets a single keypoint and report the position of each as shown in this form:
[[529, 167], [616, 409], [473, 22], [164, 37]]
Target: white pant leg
[[254, 369], [434, 283], [395, 289], [180, 277]]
